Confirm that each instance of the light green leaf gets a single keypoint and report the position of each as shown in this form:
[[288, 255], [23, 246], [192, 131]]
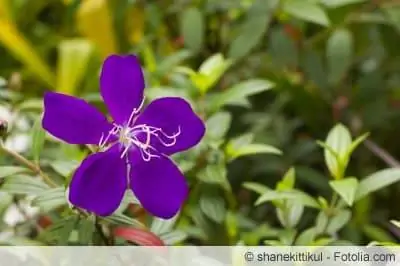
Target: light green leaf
[[51, 199], [213, 206], [212, 70], [300, 196], [38, 139], [6, 171], [74, 55], [346, 188], [339, 53], [239, 92], [306, 10], [161, 226], [258, 188], [86, 229], [215, 174], [173, 238], [339, 140], [306, 237], [218, 125], [321, 223], [377, 181], [338, 221], [288, 180], [23, 184], [251, 149], [171, 61], [65, 168], [340, 3], [192, 28], [119, 219]]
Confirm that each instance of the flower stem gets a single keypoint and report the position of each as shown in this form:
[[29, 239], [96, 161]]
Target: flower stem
[[32, 166]]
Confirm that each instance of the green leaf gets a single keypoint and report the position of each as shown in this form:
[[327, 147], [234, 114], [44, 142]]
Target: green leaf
[[239, 92], [38, 139], [74, 55], [339, 53], [173, 238], [86, 229], [377, 233], [51, 199], [61, 230], [321, 223], [346, 188], [64, 168], [161, 226], [300, 196], [192, 28], [377, 181], [338, 221], [218, 125], [215, 174], [340, 3], [306, 10], [171, 61], [119, 219], [6, 171], [213, 206], [253, 29], [252, 149], [22, 184], [306, 237], [258, 188], [339, 141]]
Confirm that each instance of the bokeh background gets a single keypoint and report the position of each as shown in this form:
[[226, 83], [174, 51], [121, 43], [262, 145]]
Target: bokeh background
[[279, 74]]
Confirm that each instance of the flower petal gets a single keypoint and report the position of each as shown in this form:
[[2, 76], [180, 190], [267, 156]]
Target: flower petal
[[173, 114], [158, 185], [100, 182], [73, 120], [122, 84]]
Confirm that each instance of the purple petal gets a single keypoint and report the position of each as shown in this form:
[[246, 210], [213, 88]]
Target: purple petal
[[100, 182], [122, 85], [73, 120], [158, 185], [172, 114]]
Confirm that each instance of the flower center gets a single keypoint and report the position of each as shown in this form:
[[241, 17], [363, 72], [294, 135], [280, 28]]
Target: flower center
[[140, 136]]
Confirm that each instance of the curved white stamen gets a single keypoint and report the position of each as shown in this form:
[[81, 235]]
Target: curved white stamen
[[128, 136]]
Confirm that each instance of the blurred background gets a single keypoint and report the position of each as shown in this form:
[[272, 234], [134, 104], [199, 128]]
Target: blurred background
[[276, 73]]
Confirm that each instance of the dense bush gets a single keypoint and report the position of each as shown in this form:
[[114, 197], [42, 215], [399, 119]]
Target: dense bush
[[299, 97]]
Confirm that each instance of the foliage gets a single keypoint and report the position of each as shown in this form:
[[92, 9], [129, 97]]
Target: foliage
[[299, 98]]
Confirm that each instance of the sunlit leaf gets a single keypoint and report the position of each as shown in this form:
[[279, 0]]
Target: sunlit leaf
[[338, 143], [15, 42], [346, 188], [92, 16], [377, 181], [73, 59]]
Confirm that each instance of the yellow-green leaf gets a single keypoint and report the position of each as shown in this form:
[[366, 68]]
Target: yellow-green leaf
[[74, 55], [95, 22], [17, 45]]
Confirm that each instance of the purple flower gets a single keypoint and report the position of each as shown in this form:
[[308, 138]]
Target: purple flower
[[134, 148]]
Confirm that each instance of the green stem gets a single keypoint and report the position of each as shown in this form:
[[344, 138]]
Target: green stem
[[32, 166]]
